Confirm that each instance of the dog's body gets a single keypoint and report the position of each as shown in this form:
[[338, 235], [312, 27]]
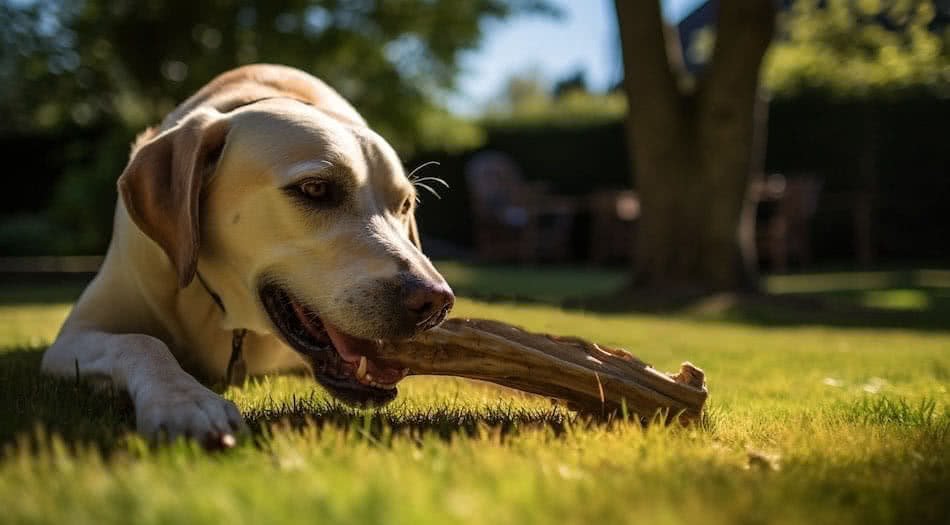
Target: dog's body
[[296, 220]]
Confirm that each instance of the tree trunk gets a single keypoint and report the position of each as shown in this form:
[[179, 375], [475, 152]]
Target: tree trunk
[[694, 151]]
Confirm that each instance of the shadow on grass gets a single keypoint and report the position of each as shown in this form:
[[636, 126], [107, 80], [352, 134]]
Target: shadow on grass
[[71, 409], [843, 310], [88, 417], [918, 308], [443, 422], [904, 299]]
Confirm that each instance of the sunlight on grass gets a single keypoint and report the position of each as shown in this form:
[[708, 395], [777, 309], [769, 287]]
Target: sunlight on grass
[[842, 281], [31, 325], [805, 424], [811, 283], [896, 299]]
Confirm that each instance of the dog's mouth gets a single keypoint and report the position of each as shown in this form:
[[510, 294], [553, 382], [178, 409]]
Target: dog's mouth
[[343, 364]]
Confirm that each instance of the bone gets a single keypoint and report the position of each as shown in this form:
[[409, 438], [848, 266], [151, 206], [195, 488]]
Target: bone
[[591, 378]]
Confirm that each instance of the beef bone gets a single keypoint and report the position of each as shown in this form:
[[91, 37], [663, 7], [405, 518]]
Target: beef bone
[[590, 377]]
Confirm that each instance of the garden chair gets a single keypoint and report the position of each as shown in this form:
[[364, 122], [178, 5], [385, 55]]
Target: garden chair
[[514, 219]]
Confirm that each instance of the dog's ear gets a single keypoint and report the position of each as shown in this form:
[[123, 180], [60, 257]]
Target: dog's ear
[[414, 232], [161, 186]]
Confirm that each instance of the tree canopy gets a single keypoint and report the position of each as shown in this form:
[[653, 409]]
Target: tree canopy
[[82, 62], [865, 49], [526, 100], [830, 49]]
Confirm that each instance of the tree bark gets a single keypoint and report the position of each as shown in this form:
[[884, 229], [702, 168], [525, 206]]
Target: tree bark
[[694, 151]]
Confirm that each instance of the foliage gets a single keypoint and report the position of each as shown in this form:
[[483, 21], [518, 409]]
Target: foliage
[[82, 66], [807, 423], [83, 201], [865, 49], [526, 101], [77, 218], [30, 234], [833, 49], [92, 60], [440, 130]]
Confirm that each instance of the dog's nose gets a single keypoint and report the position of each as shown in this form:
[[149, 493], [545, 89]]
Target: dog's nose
[[428, 303]]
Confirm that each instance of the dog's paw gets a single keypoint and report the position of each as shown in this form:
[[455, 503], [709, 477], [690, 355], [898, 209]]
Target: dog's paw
[[189, 410]]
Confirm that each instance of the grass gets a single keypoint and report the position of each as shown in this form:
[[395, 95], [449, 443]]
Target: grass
[[808, 422]]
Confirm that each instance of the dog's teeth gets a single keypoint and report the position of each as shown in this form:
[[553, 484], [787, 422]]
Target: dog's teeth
[[361, 370]]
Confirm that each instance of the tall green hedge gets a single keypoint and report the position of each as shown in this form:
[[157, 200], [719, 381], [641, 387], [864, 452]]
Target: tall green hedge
[[898, 150], [59, 189]]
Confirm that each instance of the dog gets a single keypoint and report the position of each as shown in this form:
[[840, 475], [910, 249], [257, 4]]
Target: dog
[[261, 227]]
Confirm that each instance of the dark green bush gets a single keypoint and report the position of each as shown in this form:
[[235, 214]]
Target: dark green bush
[[67, 209]]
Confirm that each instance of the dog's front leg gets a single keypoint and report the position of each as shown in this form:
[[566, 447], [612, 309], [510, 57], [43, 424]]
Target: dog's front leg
[[168, 401]]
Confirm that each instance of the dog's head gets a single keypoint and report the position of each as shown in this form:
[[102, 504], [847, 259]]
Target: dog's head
[[303, 224]]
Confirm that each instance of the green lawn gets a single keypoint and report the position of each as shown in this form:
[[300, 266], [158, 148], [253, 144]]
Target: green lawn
[[813, 417]]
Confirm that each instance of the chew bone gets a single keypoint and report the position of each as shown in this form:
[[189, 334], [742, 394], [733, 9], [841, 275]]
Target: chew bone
[[591, 378]]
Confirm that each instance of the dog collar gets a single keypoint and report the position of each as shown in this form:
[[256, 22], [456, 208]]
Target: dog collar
[[236, 372]]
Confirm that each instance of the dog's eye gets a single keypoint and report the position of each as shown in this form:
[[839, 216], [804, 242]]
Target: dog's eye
[[406, 206], [316, 190]]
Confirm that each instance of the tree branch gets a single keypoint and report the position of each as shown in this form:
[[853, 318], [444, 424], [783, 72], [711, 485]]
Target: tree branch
[[649, 81], [743, 34]]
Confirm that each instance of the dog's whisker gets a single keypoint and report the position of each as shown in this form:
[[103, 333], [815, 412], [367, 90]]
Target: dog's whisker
[[432, 179], [424, 182], [429, 188], [423, 165]]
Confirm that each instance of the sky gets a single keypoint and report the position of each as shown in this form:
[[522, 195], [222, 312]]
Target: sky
[[585, 38]]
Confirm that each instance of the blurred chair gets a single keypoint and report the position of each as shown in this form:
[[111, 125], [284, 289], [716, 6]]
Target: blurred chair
[[784, 232], [514, 219], [613, 216]]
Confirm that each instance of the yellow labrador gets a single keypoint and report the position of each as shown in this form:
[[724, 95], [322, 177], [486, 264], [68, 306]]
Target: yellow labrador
[[262, 205]]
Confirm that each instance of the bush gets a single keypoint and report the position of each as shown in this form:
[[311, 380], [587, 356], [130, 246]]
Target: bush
[[27, 234], [83, 202], [65, 203]]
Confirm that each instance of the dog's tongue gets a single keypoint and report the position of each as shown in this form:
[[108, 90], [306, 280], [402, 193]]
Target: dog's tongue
[[350, 348]]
